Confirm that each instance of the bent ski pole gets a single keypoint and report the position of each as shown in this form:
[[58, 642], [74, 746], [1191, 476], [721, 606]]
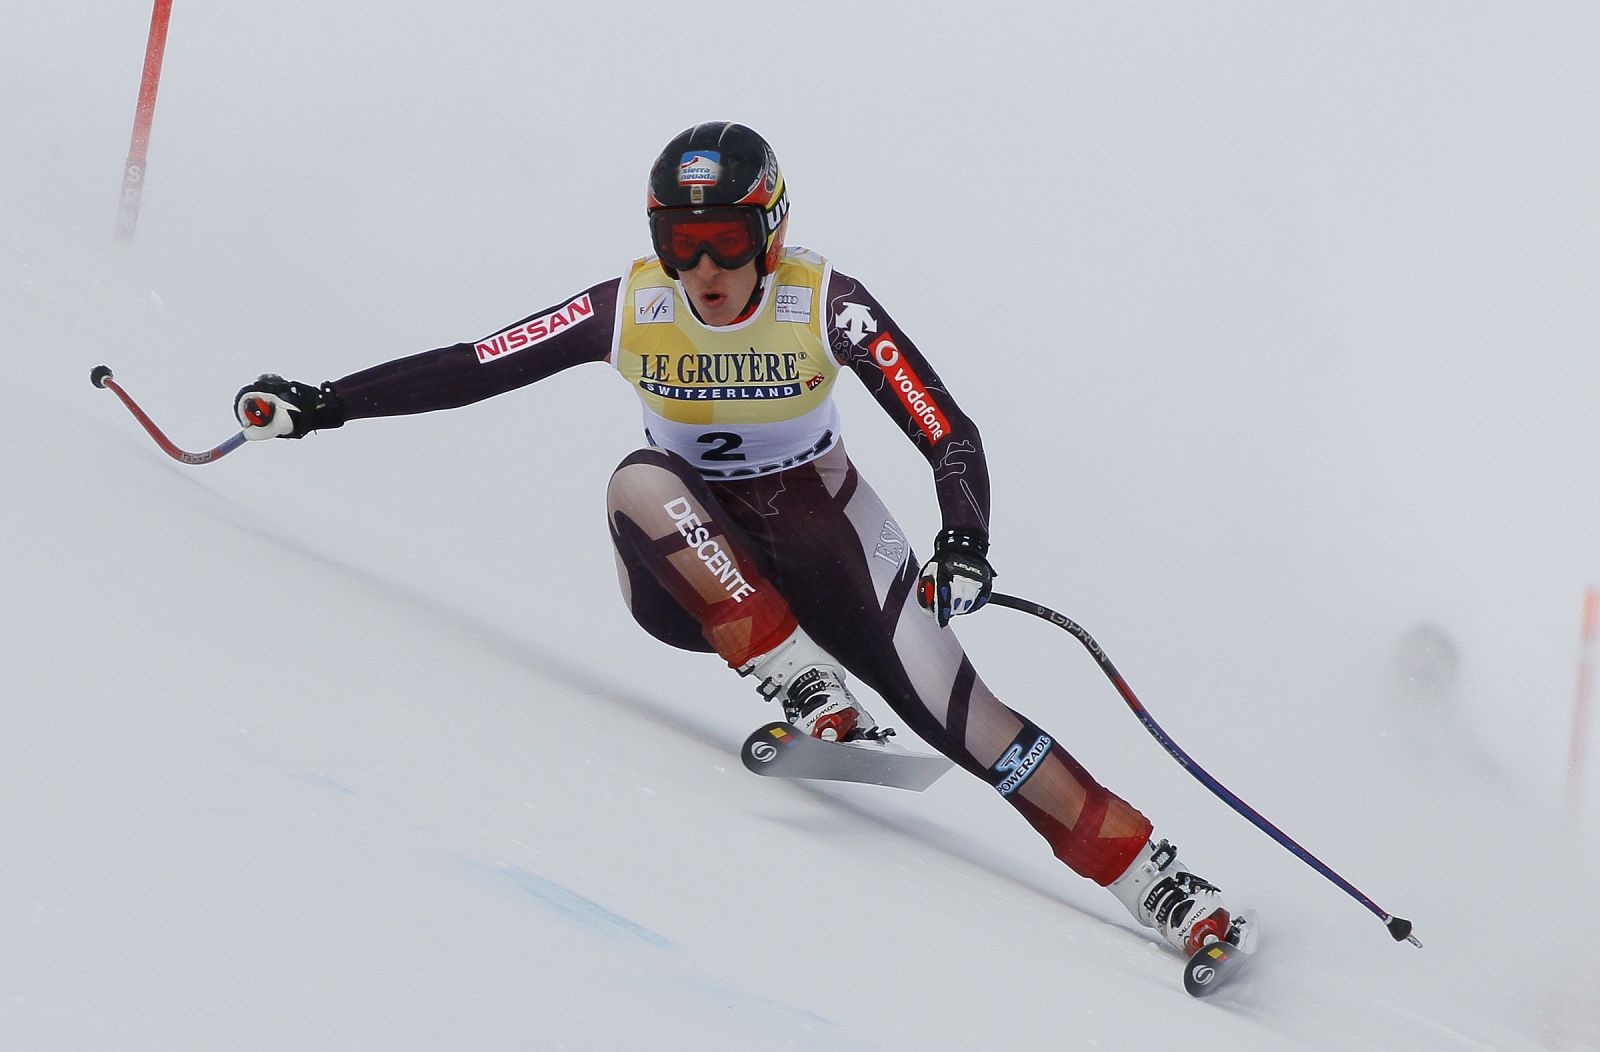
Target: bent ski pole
[[100, 376], [1398, 927]]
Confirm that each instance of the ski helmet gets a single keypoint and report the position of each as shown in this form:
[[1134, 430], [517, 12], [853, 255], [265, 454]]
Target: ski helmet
[[719, 169]]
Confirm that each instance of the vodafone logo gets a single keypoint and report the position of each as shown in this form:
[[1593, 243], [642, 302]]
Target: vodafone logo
[[913, 394]]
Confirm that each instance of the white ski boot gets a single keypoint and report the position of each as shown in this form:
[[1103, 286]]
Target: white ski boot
[[810, 684], [1186, 911]]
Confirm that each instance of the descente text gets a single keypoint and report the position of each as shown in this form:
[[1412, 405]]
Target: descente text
[[708, 550]]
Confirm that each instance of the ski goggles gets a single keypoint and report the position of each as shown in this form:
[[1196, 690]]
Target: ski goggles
[[732, 235]]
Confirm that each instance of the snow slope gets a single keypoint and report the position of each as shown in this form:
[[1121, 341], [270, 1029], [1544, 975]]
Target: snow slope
[[1280, 326]]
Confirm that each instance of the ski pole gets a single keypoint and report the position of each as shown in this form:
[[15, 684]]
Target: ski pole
[[100, 376], [1398, 927]]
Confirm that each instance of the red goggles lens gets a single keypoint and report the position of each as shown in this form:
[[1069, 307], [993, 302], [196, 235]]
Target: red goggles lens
[[731, 236]]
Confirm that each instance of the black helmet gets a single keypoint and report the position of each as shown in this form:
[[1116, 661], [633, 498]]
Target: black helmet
[[720, 165]]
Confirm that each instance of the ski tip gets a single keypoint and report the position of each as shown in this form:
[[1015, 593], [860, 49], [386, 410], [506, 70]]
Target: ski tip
[[99, 375], [1400, 928]]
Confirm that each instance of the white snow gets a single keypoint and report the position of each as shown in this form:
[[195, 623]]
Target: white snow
[[1280, 322]]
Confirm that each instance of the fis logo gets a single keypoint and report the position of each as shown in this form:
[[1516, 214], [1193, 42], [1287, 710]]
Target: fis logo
[[653, 306]]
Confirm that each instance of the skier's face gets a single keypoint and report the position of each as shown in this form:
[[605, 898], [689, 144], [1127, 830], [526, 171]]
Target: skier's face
[[718, 295]]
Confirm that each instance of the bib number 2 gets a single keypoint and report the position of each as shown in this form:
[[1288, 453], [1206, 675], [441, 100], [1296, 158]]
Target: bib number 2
[[723, 444]]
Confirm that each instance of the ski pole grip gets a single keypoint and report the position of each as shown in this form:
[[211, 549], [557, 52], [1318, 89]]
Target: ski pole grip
[[99, 375], [259, 412]]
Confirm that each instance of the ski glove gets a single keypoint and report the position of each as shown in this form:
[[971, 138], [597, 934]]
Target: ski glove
[[273, 407], [957, 579]]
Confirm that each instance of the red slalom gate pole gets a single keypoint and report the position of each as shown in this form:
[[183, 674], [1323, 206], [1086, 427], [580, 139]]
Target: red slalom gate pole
[[143, 116], [1580, 705]]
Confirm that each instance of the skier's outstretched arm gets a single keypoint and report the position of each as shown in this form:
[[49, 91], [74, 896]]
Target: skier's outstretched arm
[[577, 330]]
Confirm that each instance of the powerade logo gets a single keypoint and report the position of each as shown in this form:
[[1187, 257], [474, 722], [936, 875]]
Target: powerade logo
[[1017, 766], [700, 168]]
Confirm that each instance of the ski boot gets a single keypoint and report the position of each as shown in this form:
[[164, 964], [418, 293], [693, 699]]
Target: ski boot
[[1186, 911], [810, 684]]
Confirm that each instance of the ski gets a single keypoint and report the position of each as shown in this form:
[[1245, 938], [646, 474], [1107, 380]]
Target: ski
[[777, 750], [1213, 965]]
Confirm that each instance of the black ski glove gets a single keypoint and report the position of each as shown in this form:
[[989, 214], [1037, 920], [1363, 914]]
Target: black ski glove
[[958, 579], [273, 407]]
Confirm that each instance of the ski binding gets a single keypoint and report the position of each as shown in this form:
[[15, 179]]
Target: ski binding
[[778, 750]]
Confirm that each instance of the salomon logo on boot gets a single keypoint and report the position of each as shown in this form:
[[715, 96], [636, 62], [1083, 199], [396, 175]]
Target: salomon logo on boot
[[1161, 893], [810, 686], [817, 702]]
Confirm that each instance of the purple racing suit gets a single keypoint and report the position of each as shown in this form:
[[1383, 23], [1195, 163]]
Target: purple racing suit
[[730, 565]]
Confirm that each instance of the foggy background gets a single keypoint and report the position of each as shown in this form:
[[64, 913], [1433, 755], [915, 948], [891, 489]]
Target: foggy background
[[1278, 321]]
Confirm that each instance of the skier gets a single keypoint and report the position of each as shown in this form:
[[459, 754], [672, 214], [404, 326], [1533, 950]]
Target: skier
[[742, 527]]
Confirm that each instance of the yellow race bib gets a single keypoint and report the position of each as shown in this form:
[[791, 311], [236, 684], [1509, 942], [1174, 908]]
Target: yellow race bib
[[737, 400]]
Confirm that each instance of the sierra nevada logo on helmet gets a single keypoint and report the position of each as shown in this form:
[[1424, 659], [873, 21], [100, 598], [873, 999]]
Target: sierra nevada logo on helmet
[[700, 168]]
